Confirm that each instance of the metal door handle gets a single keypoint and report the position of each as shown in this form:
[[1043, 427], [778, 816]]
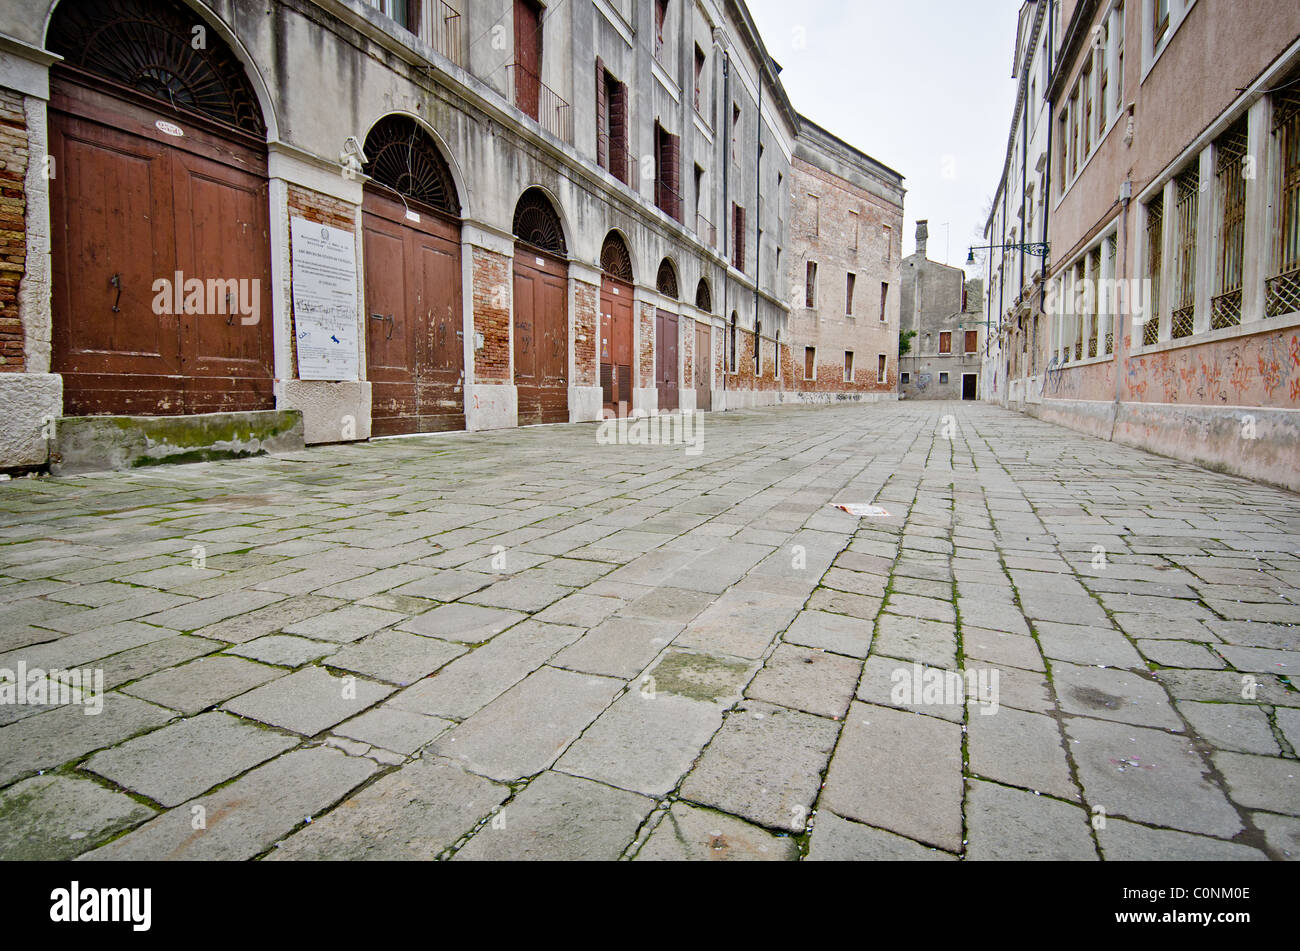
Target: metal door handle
[[391, 324], [116, 281]]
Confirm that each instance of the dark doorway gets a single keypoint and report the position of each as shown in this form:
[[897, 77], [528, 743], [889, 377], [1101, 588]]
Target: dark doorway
[[969, 385]]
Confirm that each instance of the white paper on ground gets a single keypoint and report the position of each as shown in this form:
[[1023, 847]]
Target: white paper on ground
[[862, 511]]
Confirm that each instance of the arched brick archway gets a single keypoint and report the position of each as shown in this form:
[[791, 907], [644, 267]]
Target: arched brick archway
[[415, 343], [541, 311], [161, 250]]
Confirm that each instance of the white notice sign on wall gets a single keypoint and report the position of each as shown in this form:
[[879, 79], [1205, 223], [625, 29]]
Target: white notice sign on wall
[[324, 300]]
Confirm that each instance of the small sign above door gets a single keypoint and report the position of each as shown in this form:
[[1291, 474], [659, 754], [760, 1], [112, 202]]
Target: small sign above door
[[168, 128]]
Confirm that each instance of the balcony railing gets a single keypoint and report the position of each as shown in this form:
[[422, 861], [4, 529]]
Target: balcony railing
[[706, 230], [540, 102], [434, 21], [667, 200], [440, 26]]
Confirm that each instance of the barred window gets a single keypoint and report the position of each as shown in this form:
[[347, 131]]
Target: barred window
[[1094, 276], [1230, 176], [1187, 191], [1155, 262], [1284, 286]]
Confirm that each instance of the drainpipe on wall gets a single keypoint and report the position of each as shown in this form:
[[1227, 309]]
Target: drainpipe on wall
[[758, 231], [726, 210]]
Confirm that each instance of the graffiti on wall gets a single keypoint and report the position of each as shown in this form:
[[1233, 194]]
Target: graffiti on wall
[[1260, 370]]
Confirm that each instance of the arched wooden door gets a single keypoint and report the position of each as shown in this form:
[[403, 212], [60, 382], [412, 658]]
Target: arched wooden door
[[159, 216], [667, 342], [541, 305], [415, 343], [616, 309]]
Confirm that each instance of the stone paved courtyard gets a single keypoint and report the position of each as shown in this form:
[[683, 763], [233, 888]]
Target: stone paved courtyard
[[524, 644]]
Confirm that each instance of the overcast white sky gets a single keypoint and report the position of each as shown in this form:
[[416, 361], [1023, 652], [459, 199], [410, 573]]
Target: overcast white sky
[[923, 86]]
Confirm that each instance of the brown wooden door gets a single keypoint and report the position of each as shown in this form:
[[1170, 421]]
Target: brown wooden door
[[221, 229], [415, 355], [541, 337], [616, 346], [703, 367], [666, 361], [528, 55], [131, 205]]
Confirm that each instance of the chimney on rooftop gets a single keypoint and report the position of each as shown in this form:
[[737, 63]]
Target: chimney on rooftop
[[922, 237]]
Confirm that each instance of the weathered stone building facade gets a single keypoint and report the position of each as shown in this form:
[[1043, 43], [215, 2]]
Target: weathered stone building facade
[[550, 213], [844, 260], [945, 312], [1171, 301]]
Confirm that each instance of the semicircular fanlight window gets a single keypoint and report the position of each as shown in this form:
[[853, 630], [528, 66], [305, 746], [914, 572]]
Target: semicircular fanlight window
[[148, 45], [704, 297], [404, 157], [537, 224], [615, 259], [667, 279]]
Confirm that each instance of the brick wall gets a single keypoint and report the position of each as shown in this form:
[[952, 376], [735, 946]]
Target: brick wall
[[13, 227], [492, 277], [586, 300], [867, 244], [646, 363], [686, 335], [323, 210]]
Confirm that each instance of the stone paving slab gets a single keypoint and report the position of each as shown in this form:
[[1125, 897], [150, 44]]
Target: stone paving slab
[[686, 594], [54, 817], [525, 730], [877, 777], [246, 818], [190, 688], [189, 757], [690, 834], [835, 839], [308, 701], [561, 817], [764, 765], [411, 814], [644, 743]]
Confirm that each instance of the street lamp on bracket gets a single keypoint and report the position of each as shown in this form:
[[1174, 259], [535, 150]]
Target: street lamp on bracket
[[1037, 248]]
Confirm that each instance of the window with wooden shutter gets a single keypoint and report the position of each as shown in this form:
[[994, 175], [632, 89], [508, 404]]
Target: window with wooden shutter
[[738, 236], [674, 163], [810, 286], [881, 367], [602, 115], [618, 156], [809, 363], [972, 341], [661, 18], [945, 341], [668, 173], [699, 75], [848, 366]]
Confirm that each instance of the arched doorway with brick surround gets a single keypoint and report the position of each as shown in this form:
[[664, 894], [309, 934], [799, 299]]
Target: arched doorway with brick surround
[[667, 340], [703, 359], [541, 311], [159, 215], [616, 323], [415, 341]]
